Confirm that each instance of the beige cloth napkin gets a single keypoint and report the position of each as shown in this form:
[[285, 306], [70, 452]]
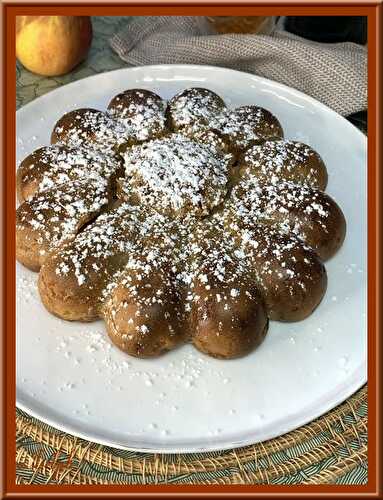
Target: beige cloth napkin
[[333, 73]]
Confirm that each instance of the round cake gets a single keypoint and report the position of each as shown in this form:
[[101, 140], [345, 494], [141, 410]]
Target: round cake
[[177, 222]]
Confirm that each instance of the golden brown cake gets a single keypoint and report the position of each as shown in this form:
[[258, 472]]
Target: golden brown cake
[[175, 175], [57, 164], [142, 113], [292, 161], [185, 222], [245, 126], [194, 107], [89, 128]]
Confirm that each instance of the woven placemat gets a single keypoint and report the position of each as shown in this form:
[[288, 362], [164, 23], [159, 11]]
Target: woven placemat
[[329, 450]]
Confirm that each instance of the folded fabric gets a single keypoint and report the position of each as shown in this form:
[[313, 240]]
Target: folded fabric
[[333, 73]]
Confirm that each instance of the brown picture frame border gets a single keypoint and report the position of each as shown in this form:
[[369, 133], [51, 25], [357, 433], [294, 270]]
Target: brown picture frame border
[[9, 10]]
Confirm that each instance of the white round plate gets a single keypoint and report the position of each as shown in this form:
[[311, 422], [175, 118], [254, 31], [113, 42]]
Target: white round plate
[[69, 374]]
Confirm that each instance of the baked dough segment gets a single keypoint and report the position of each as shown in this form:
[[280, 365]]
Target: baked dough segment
[[289, 275], [308, 213], [55, 216], [144, 311], [142, 113], [76, 280], [228, 319], [290, 278], [144, 314], [176, 176], [275, 161], [227, 316], [90, 128], [58, 164], [193, 107], [245, 126]]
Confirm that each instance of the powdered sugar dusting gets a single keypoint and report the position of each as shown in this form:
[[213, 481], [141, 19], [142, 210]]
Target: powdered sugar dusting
[[194, 106], [141, 112], [275, 161], [246, 125], [176, 174]]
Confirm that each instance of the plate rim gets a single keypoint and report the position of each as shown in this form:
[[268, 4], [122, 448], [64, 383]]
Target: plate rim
[[199, 67], [349, 389], [354, 382]]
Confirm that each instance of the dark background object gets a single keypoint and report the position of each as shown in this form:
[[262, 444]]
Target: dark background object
[[359, 119], [329, 29], [332, 29]]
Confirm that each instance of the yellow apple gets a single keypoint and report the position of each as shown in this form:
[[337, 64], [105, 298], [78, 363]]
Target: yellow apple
[[52, 45]]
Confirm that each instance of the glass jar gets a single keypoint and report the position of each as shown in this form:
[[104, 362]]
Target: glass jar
[[241, 24]]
